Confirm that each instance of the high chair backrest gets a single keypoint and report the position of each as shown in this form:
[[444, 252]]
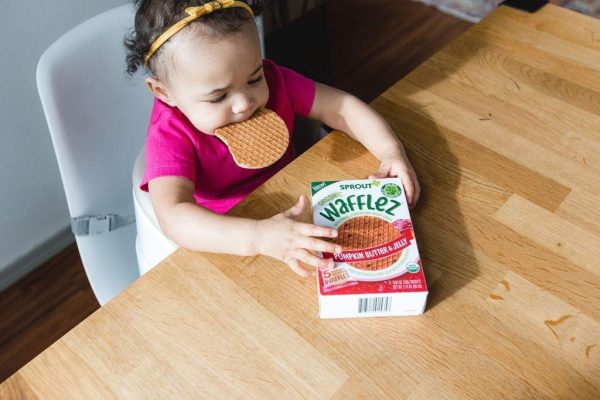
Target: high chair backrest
[[98, 120]]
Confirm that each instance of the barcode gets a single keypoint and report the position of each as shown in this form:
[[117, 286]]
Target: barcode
[[374, 304]]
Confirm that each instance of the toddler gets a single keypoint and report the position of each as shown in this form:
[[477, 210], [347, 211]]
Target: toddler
[[206, 71]]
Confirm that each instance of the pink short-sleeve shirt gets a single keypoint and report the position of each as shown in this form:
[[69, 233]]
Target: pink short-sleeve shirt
[[174, 147]]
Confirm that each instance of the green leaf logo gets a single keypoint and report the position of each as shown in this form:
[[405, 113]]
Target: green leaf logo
[[391, 190]]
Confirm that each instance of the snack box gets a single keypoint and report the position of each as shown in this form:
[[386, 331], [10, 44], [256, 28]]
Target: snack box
[[379, 271]]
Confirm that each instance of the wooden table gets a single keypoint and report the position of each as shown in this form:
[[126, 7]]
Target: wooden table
[[503, 128]]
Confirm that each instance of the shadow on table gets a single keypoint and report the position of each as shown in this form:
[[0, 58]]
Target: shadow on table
[[446, 251]]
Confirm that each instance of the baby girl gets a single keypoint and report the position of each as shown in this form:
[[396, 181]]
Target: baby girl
[[206, 71]]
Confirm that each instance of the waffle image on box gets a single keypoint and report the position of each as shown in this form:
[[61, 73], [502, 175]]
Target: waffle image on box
[[379, 271]]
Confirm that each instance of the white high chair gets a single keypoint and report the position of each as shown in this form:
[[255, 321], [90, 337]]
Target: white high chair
[[98, 120]]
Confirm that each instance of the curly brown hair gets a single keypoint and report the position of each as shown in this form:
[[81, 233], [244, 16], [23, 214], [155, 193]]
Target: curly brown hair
[[153, 17]]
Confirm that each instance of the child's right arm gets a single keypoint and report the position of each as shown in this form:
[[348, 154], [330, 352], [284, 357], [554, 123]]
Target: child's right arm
[[281, 236]]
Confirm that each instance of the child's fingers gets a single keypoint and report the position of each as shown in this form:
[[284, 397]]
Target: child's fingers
[[382, 172], [311, 259], [315, 230], [411, 187], [376, 175], [295, 265], [314, 244], [297, 209]]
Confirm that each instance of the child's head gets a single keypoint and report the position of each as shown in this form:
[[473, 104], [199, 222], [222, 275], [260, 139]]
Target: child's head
[[211, 69]]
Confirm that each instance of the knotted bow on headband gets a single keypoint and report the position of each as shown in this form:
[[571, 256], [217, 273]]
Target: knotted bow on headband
[[193, 13]]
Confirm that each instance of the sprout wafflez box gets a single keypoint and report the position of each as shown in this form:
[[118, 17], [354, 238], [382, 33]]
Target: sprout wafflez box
[[379, 271]]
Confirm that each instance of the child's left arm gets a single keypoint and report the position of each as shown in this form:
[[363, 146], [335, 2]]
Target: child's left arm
[[344, 112]]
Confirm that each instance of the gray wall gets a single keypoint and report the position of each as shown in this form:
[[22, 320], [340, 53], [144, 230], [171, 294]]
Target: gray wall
[[33, 210]]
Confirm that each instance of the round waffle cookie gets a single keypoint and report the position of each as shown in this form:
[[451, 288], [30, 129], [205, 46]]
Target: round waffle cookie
[[365, 232], [258, 142]]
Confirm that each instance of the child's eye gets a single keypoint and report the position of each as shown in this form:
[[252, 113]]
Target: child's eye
[[220, 99], [253, 81]]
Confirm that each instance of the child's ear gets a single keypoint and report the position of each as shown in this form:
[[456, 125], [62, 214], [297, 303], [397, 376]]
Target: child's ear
[[158, 89]]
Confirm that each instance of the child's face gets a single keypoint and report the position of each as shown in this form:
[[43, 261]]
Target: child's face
[[215, 81]]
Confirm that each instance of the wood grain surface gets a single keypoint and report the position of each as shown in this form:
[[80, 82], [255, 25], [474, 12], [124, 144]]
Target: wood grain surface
[[503, 129]]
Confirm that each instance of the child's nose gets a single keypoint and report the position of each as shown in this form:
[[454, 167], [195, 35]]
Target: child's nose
[[242, 104]]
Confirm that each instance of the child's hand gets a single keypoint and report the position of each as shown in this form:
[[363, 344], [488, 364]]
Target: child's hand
[[290, 241], [396, 164]]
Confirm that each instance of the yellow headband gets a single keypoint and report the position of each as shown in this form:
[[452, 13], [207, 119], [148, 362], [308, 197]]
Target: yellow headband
[[193, 13]]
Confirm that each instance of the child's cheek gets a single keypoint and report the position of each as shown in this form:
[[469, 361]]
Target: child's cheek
[[264, 95], [205, 123]]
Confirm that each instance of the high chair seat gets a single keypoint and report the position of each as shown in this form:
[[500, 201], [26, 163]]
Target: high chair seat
[[98, 120]]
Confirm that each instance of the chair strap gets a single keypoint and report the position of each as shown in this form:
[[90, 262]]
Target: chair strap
[[97, 224]]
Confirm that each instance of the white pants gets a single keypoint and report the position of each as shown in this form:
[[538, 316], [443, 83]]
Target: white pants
[[151, 245]]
